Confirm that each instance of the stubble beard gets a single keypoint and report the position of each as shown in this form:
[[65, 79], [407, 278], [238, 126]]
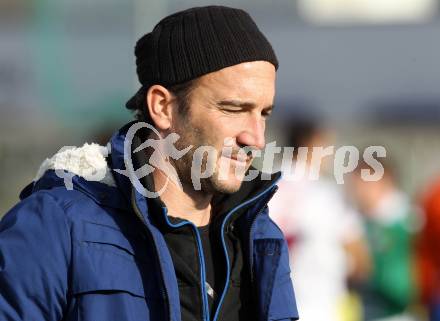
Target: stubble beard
[[210, 185]]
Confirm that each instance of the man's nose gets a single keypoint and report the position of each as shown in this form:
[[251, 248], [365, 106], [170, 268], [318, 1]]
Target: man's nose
[[252, 133]]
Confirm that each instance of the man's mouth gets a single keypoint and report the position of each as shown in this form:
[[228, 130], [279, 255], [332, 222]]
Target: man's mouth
[[240, 159]]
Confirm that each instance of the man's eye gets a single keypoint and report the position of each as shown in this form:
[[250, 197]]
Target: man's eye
[[266, 113], [232, 110]]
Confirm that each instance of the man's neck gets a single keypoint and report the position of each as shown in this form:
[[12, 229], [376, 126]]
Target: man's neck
[[184, 203]]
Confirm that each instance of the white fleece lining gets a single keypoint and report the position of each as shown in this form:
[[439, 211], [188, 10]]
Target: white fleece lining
[[87, 161]]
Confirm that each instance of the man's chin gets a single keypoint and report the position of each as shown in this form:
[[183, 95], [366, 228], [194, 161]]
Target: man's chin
[[227, 186]]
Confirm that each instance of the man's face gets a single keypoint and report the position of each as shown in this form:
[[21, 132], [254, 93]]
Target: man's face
[[232, 103]]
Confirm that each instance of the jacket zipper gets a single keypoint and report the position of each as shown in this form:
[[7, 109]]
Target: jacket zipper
[[228, 276], [141, 218], [203, 274], [201, 263]]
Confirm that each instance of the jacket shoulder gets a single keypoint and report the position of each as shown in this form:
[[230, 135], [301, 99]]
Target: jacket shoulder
[[75, 205]]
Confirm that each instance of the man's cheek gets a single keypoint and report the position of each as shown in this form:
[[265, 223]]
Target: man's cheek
[[203, 165], [223, 168]]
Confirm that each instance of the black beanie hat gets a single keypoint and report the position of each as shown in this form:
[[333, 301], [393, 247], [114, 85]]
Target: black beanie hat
[[194, 42]]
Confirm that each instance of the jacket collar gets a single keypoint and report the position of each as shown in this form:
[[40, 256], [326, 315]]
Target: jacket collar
[[83, 169]]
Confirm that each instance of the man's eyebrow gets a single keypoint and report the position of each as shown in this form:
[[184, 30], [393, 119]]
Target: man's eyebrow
[[239, 103]]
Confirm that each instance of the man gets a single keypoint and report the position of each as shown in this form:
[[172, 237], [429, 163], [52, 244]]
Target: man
[[324, 233], [101, 250]]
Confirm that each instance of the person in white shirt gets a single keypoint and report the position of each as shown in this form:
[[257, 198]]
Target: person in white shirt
[[324, 234]]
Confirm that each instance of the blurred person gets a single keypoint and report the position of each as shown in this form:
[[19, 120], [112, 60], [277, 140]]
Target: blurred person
[[428, 251], [87, 242], [389, 224], [324, 234]]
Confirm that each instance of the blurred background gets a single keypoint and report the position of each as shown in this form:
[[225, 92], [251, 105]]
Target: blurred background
[[365, 70]]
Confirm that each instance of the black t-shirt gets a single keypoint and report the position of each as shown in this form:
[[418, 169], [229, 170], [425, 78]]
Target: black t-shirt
[[185, 255], [182, 244], [212, 271]]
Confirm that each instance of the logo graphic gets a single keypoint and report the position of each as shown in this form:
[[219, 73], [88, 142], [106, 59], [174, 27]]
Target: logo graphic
[[89, 161], [163, 150]]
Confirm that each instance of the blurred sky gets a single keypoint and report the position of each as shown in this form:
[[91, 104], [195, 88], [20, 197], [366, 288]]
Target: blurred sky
[[369, 68]]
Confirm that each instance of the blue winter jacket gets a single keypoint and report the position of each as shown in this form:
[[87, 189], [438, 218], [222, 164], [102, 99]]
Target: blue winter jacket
[[91, 253]]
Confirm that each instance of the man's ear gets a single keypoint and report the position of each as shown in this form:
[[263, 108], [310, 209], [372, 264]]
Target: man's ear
[[159, 104]]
